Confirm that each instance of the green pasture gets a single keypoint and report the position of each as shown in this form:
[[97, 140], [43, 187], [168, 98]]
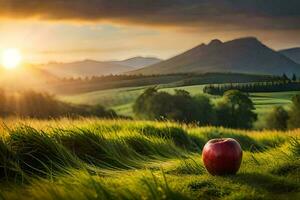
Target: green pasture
[[122, 99], [265, 101]]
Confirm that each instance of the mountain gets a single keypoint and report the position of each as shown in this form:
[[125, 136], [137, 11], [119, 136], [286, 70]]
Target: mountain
[[139, 62], [97, 68], [85, 68], [244, 55], [293, 54]]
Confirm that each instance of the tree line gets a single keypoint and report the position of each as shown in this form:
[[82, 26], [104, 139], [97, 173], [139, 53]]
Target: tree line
[[118, 77], [187, 77], [234, 110], [32, 104], [252, 87], [280, 85]]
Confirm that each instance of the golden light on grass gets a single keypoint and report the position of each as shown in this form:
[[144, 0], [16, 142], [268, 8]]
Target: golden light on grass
[[11, 58]]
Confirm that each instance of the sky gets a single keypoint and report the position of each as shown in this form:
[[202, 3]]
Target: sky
[[70, 30]]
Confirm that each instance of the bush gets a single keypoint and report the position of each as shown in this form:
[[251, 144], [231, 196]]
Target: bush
[[277, 119], [294, 121], [236, 110], [205, 109]]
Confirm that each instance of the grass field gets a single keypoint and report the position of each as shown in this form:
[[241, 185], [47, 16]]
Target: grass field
[[172, 80], [122, 99], [100, 159], [265, 101]]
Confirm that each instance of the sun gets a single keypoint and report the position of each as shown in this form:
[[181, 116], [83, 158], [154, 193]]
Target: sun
[[11, 58]]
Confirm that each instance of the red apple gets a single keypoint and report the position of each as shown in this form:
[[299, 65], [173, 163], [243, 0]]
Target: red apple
[[222, 156]]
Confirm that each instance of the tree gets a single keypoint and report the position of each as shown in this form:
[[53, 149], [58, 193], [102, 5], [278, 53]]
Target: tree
[[140, 106], [181, 107], [159, 106], [277, 119], [153, 105], [205, 110], [236, 110], [223, 114], [184, 107], [285, 78], [294, 121], [294, 78]]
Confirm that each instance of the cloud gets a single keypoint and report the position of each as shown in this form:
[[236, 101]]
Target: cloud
[[210, 14]]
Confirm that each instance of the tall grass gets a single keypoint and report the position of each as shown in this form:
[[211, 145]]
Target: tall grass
[[117, 159]]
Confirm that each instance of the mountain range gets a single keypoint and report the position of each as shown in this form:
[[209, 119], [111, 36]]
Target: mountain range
[[243, 55], [97, 68]]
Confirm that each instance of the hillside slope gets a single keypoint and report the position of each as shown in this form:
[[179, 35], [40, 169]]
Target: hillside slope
[[293, 54], [85, 68], [139, 62], [245, 55]]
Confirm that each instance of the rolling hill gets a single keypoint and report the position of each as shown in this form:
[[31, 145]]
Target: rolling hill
[[244, 55], [139, 62], [293, 54], [97, 68], [84, 68]]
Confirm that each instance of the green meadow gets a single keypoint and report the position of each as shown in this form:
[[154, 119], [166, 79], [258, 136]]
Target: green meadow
[[117, 159], [122, 99], [265, 101]]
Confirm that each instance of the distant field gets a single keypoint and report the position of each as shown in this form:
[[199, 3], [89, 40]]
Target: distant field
[[100, 159], [79, 86], [265, 101], [122, 99], [108, 98]]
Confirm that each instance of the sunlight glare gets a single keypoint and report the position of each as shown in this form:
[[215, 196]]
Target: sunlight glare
[[11, 58]]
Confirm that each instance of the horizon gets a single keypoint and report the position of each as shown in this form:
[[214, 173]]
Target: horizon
[[145, 56]]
